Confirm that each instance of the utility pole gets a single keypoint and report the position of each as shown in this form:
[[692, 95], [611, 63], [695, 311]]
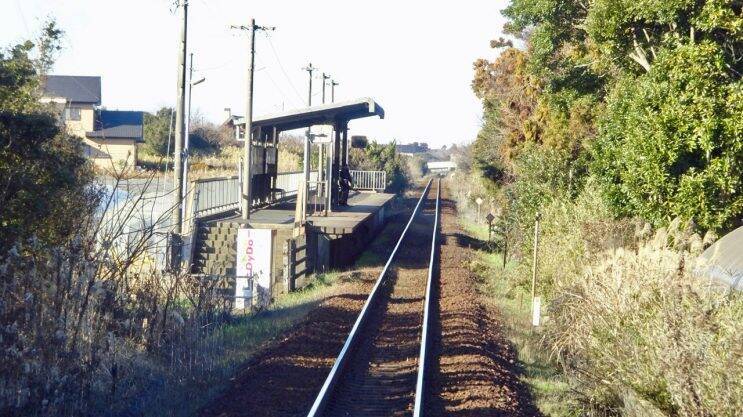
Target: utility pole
[[246, 186], [177, 218], [324, 81], [321, 149], [188, 127], [306, 161], [187, 136], [332, 90]]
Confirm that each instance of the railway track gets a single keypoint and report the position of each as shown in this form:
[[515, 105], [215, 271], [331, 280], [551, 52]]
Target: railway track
[[381, 369]]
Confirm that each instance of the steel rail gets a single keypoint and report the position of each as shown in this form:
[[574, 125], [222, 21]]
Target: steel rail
[[422, 357], [327, 388]]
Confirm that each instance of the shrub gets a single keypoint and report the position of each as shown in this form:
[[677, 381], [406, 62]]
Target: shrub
[[541, 175], [379, 157], [670, 142], [574, 233], [642, 321], [159, 129], [44, 179]]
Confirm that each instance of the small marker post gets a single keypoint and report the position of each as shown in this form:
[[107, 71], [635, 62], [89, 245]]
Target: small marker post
[[479, 203], [490, 219]]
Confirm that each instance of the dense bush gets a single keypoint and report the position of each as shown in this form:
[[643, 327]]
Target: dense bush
[[86, 323], [671, 141], [158, 131], [617, 114], [204, 137], [380, 157], [44, 178]]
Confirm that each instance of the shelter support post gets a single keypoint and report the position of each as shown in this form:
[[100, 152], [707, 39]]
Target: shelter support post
[[344, 151], [328, 166], [335, 163]]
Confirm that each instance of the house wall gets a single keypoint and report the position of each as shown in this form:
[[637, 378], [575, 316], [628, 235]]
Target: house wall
[[112, 153], [85, 124]]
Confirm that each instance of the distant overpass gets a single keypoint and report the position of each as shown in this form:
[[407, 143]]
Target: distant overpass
[[441, 166]]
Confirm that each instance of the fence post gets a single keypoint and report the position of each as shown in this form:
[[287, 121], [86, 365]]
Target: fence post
[[291, 263]]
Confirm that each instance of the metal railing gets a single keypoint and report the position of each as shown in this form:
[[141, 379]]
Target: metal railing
[[290, 181], [369, 180], [222, 194], [215, 195]]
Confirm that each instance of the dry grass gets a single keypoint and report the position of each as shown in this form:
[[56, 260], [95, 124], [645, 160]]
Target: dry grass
[[641, 320], [95, 327], [222, 163], [87, 325], [635, 331]]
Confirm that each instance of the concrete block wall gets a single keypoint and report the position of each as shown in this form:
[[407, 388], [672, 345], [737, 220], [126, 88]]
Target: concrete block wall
[[215, 252], [216, 248]]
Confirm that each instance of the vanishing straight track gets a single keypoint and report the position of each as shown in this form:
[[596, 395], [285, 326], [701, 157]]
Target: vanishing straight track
[[379, 370]]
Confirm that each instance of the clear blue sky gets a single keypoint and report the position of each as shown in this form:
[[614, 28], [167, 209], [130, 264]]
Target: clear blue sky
[[414, 57]]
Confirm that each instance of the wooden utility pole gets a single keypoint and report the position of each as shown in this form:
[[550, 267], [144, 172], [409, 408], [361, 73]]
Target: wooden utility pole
[[306, 161], [179, 122], [246, 194], [325, 77], [332, 90]]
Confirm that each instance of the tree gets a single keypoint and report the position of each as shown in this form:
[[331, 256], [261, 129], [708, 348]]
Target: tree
[[509, 93], [45, 181], [380, 157], [48, 45], [670, 142], [630, 34], [159, 129]]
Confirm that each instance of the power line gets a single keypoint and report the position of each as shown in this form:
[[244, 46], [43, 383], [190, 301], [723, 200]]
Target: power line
[[23, 17], [278, 60], [275, 84]]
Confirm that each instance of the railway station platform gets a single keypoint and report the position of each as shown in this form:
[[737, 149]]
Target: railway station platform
[[342, 220], [284, 241], [330, 241]]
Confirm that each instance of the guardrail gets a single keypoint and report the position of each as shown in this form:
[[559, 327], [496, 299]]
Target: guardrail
[[369, 180], [323, 396]]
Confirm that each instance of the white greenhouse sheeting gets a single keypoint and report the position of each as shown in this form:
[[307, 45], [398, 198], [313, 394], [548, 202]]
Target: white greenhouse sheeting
[[724, 259]]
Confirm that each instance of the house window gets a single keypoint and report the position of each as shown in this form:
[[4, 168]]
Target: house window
[[72, 113]]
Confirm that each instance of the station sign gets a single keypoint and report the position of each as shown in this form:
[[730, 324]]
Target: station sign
[[253, 272]]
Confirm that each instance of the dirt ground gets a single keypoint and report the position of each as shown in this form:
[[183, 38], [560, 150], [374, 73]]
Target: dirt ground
[[284, 378], [473, 373], [380, 377]]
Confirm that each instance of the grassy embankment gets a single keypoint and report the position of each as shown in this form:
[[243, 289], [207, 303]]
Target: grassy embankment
[[545, 380], [235, 343]]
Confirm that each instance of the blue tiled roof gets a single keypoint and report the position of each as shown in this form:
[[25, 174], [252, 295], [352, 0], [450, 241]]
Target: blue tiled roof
[[115, 124], [76, 89]]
